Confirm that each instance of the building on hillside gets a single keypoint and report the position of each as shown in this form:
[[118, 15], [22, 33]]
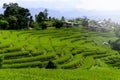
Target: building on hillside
[[70, 24]]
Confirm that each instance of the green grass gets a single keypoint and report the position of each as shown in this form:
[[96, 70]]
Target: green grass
[[78, 53], [59, 74], [57, 45], [73, 63]]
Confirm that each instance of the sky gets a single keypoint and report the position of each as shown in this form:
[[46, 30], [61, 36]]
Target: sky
[[100, 5], [96, 9]]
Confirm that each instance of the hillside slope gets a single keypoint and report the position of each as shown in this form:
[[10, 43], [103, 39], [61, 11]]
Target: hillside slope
[[68, 48], [79, 54]]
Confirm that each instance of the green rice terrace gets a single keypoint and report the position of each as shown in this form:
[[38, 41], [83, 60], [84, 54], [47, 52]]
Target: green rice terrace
[[79, 54]]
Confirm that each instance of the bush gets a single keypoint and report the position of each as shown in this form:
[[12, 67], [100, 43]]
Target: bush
[[58, 23], [35, 25], [51, 65], [44, 25], [115, 45], [4, 24], [48, 23]]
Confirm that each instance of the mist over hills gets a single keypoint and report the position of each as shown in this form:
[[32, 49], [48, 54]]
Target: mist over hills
[[70, 14], [92, 14]]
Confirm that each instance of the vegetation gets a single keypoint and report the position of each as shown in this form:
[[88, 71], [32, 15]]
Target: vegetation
[[16, 17], [4, 24], [116, 44], [74, 53]]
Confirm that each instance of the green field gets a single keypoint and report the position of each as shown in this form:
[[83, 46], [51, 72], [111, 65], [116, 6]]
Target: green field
[[78, 53], [59, 74]]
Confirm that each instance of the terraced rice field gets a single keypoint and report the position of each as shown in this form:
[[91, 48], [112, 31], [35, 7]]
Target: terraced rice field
[[74, 48]]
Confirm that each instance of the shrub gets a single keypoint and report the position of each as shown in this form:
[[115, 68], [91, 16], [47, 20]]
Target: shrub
[[44, 25], [48, 23], [116, 45], [35, 25], [58, 23], [4, 24], [51, 65]]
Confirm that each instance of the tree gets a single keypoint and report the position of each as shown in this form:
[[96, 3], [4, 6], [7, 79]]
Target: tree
[[30, 21], [41, 19], [50, 18], [42, 16], [45, 14], [63, 18], [117, 32], [85, 21], [21, 14], [23, 18], [10, 9]]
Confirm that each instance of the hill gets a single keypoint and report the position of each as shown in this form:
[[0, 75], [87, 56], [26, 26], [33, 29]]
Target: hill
[[77, 52], [69, 48]]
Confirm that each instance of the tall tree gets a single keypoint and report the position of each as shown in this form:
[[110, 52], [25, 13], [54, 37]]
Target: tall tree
[[62, 18], [85, 21], [21, 14], [42, 16], [30, 21], [10, 9], [45, 14]]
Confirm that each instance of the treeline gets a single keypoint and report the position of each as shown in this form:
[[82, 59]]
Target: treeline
[[16, 17]]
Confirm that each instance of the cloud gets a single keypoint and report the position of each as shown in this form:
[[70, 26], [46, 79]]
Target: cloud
[[68, 4], [100, 5], [6, 1], [29, 0]]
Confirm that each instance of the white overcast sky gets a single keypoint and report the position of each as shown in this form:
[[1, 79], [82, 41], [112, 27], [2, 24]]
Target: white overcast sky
[[102, 5]]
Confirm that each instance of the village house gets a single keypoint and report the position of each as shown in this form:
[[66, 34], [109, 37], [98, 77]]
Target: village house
[[70, 24]]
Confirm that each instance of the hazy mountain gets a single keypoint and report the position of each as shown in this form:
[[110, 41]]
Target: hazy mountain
[[92, 14], [53, 13]]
